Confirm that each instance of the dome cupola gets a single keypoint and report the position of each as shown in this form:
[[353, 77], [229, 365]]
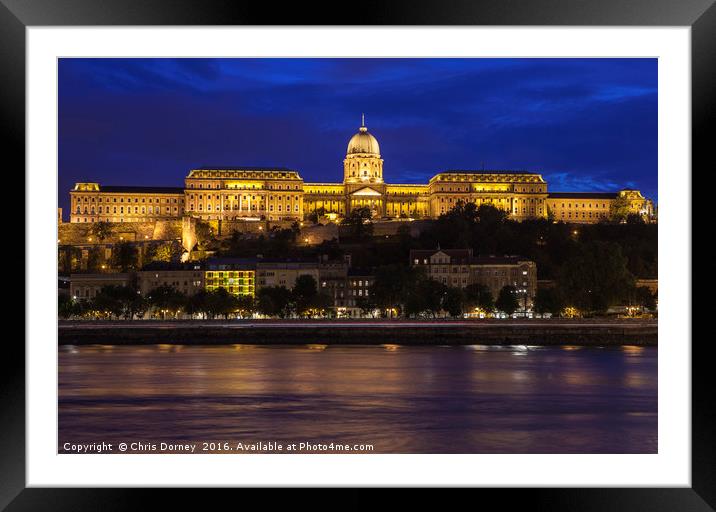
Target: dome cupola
[[363, 142], [363, 163]]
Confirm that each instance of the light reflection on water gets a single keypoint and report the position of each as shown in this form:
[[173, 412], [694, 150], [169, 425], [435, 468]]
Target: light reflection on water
[[401, 399]]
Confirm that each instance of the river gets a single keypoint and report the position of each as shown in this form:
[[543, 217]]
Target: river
[[377, 399]]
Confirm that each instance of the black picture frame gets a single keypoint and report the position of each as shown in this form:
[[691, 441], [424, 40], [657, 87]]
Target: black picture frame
[[700, 15]]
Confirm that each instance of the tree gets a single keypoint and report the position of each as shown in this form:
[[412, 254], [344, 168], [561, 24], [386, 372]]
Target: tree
[[426, 296], [634, 218], [646, 298], [550, 214], [164, 252], [70, 308], [137, 306], [166, 299], [220, 302], [245, 306], [595, 277], [479, 296], [489, 215], [70, 259], [125, 256], [367, 305], [469, 225], [455, 227], [507, 300], [95, 258], [453, 302], [274, 301], [65, 306], [204, 234], [548, 300], [322, 304], [304, 292], [115, 301], [284, 239], [430, 294], [315, 215], [197, 304], [359, 223], [393, 285], [642, 296], [101, 230], [619, 209]]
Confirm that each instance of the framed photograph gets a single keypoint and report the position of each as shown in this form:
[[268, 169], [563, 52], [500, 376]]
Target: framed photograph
[[439, 246]]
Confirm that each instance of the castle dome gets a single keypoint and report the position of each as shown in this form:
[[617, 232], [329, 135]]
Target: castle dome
[[363, 142]]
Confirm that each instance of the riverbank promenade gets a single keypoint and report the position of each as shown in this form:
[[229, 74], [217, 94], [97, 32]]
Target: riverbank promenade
[[598, 331]]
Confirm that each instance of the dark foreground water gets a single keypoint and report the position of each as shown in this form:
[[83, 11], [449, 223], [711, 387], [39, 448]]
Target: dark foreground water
[[399, 399]]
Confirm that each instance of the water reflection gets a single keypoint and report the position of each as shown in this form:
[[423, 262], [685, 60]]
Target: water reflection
[[405, 399]]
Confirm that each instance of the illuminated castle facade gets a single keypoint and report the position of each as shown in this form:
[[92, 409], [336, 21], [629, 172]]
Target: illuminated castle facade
[[281, 194]]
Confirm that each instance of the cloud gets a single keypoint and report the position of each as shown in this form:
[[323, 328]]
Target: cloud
[[588, 124]]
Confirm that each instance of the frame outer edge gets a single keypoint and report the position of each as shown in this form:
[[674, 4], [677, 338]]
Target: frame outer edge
[[373, 12], [703, 112], [12, 399], [12, 376]]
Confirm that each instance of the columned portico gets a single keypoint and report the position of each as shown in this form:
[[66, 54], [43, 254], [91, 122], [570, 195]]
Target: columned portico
[[368, 197]]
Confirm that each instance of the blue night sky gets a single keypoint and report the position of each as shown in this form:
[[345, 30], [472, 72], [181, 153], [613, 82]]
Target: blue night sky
[[585, 124]]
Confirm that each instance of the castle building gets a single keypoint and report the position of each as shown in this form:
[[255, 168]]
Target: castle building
[[274, 194], [591, 207], [90, 202]]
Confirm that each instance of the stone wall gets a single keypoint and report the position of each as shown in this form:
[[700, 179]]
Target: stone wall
[[317, 234], [227, 227], [392, 227], [81, 233], [185, 229]]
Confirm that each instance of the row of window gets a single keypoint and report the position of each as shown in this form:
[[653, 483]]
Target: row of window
[[403, 193], [176, 284], [219, 186], [585, 215], [244, 207], [584, 205], [481, 189], [489, 177], [129, 199], [529, 200], [493, 283], [446, 270], [244, 198], [333, 192], [144, 210]]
